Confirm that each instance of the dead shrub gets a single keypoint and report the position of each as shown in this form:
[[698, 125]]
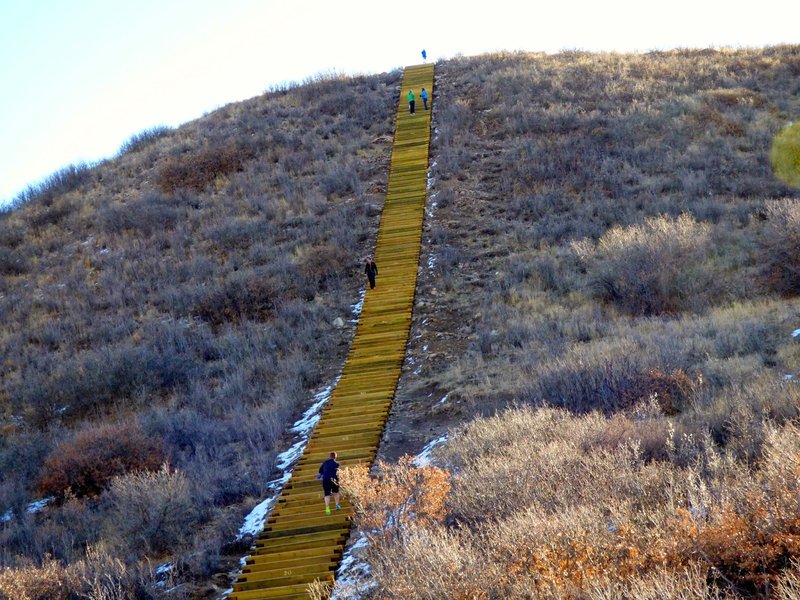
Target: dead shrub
[[51, 581], [569, 517], [738, 96], [150, 512], [399, 495], [56, 184], [84, 464], [243, 296], [145, 138], [12, 262], [324, 265], [672, 390], [147, 214], [780, 248], [197, 170], [650, 269]]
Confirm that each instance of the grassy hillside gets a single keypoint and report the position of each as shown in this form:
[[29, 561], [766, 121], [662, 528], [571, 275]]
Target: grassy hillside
[[174, 306], [604, 324]]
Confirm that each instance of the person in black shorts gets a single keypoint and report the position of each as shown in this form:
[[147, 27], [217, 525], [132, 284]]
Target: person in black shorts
[[328, 472]]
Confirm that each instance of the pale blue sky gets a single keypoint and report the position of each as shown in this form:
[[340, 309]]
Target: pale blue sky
[[79, 77]]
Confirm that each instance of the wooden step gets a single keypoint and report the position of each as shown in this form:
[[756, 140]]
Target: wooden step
[[300, 543]]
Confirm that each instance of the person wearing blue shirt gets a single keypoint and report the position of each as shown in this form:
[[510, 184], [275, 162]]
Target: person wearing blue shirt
[[328, 473], [424, 95]]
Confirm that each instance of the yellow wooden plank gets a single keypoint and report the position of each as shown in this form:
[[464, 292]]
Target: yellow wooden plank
[[300, 541]]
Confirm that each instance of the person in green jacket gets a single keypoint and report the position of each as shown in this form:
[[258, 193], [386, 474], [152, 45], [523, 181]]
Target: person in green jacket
[[411, 101]]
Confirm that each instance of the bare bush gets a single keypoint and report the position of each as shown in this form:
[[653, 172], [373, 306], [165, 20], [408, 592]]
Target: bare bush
[[780, 254], [648, 269], [197, 170], [51, 581], [56, 184], [244, 296], [150, 512], [85, 464], [144, 138], [544, 515]]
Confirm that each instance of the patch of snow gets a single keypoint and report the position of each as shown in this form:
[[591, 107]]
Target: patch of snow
[[356, 308], [32, 508], [425, 348], [306, 423], [443, 400], [254, 521], [431, 261], [795, 333], [39, 505], [788, 377], [164, 569], [354, 577], [423, 459], [285, 459]]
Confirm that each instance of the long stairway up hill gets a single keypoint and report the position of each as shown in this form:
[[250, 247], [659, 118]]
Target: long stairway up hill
[[300, 543]]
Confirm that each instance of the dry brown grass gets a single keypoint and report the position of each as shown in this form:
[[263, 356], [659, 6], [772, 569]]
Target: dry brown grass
[[536, 513]]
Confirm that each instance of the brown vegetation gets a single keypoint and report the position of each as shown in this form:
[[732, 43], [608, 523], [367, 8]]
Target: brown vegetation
[[83, 465], [534, 512], [606, 237]]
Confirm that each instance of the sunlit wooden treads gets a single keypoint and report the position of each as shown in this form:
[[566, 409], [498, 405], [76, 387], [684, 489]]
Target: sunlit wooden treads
[[300, 543]]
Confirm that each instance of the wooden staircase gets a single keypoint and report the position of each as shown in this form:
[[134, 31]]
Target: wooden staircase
[[300, 543]]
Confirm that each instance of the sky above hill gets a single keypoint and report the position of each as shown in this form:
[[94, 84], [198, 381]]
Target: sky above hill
[[80, 77]]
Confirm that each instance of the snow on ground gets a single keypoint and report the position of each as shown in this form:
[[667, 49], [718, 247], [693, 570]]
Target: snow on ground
[[356, 308], [795, 333], [431, 261], [255, 519], [431, 179], [442, 401], [33, 507], [353, 579], [423, 459]]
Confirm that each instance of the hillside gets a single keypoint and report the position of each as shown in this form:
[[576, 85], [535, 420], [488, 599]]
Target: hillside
[[602, 328], [176, 305]]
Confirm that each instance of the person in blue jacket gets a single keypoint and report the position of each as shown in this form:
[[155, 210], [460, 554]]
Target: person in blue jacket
[[424, 95], [328, 473], [424, 55]]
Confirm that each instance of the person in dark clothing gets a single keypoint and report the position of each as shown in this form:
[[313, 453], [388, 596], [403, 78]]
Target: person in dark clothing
[[372, 271], [424, 95], [328, 473]]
